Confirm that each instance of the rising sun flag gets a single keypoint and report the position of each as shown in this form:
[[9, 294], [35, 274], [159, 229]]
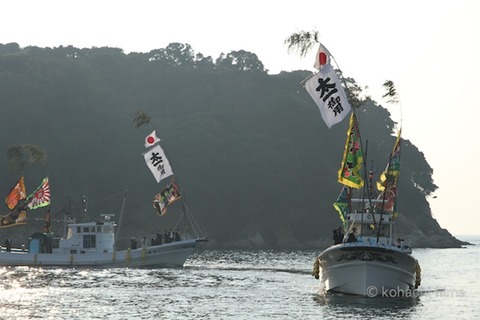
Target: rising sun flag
[[349, 173], [40, 197]]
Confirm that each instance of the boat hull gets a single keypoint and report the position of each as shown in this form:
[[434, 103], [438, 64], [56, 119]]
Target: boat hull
[[167, 255], [368, 270]]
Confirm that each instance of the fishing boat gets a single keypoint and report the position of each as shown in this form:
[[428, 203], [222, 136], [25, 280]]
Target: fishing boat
[[366, 258], [94, 243]]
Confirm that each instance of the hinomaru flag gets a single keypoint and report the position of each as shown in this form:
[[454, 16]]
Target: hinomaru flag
[[322, 57], [158, 163], [151, 139], [326, 90]]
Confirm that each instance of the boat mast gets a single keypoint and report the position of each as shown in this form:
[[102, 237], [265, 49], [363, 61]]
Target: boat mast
[[120, 219], [384, 195]]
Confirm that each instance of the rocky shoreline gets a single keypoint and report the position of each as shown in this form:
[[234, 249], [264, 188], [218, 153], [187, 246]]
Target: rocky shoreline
[[416, 239]]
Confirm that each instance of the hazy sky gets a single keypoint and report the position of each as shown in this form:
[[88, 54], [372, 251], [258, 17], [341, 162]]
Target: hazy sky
[[430, 49]]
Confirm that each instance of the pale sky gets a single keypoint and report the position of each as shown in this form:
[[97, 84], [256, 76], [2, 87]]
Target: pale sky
[[430, 49]]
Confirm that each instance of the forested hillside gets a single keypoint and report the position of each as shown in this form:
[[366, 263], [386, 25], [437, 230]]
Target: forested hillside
[[256, 162]]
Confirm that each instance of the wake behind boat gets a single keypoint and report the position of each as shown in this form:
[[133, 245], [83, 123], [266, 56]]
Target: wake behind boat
[[365, 259]]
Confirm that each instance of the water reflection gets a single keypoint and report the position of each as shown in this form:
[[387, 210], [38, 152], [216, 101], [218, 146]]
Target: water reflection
[[356, 307]]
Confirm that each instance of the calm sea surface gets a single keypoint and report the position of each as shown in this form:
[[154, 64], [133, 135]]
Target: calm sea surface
[[237, 285]]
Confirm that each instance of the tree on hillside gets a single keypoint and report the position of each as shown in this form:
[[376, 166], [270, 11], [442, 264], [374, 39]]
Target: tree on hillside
[[19, 155], [240, 60]]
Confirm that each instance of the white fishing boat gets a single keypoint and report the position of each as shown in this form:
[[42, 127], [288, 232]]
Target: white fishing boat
[[372, 265], [94, 243], [367, 261]]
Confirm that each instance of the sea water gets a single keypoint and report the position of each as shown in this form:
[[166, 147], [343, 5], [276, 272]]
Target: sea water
[[235, 284]]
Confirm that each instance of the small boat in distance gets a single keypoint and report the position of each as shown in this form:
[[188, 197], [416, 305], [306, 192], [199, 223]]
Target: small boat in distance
[[93, 243]]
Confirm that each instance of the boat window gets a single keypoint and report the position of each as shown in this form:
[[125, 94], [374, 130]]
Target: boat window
[[368, 230], [89, 241], [385, 231], [99, 229], [85, 229], [56, 243]]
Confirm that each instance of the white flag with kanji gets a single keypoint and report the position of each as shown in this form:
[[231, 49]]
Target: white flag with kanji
[[151, 139], [326, 90], [158, 163]]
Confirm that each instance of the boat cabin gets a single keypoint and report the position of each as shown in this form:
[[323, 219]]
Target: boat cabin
[[88, 237], [366, 225]]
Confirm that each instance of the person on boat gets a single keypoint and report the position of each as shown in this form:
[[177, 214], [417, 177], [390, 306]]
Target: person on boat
[[144, 242], [159, 238], [153, 240], [337, 235], [133, 243], [167, 237], [176, 235], [351, 236], [8, 245]]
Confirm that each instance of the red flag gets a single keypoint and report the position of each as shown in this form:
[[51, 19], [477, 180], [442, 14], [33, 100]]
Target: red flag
[[16, 194]]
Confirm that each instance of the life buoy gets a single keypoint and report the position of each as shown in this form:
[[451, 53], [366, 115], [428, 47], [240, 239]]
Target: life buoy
[[418, 275], [316, 269]]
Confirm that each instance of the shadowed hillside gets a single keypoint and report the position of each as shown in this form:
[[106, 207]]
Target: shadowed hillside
[[257, 164]]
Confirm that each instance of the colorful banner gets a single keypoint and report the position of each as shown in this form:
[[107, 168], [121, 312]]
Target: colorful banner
[[13, 218], [16, 194], [349, 173], [166, 197], [326, 90], [341, 205], [389, 179]]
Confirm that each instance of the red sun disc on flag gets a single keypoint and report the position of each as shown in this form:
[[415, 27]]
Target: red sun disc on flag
[[150, 140], [39, 194], [322, 57]]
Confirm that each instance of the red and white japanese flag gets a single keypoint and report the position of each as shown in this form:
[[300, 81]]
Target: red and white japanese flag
[[151, 139], [322, 57], [326, 90]]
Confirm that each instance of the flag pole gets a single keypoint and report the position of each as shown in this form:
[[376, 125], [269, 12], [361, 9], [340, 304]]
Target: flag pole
[[365, 176]]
